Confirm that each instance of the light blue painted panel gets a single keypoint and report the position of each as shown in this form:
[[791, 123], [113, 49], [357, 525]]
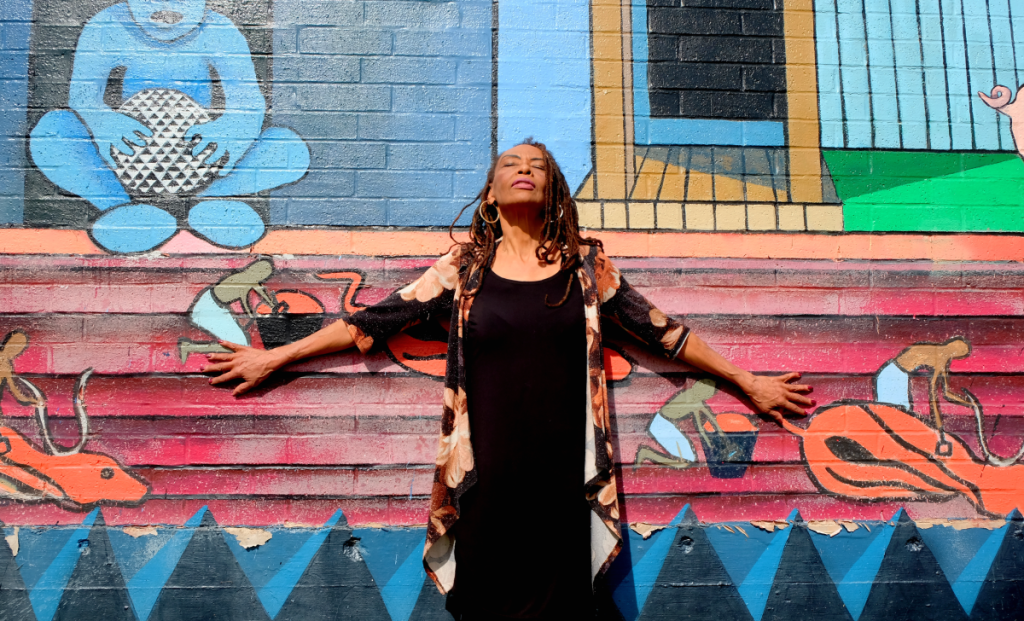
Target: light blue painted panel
[[933, 63], [544, 79], [1002, 51], [710, 131], [856, 90], [1017, 25], [882, 73], [909, 83], [956, 75], [980, 73], [830, 94], [904, 74]]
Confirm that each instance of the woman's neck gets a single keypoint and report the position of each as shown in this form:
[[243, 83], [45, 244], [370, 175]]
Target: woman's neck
[[521, 235], [516, 256]]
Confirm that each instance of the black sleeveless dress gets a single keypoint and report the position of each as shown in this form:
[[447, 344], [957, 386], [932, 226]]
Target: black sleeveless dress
[[526, 391]]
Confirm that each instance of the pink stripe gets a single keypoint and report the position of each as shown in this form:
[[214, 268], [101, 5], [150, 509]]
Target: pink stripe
[[659, 509]]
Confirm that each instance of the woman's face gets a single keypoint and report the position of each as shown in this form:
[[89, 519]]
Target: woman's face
[[519, 178]]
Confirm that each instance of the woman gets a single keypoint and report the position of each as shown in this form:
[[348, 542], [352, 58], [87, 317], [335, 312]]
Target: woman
[[516, 376]]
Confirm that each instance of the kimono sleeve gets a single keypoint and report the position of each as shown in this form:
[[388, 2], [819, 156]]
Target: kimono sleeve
[[624, 305], [430, 294]]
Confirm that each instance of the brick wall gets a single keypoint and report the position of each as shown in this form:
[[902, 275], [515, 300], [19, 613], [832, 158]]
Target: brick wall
[[395, 101]]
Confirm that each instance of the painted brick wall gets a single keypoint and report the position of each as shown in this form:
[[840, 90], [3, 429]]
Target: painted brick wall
[[857, 219], [395, 100]]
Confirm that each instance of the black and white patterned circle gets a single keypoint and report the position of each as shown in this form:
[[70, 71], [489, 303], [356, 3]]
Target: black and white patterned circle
[[165, 166]]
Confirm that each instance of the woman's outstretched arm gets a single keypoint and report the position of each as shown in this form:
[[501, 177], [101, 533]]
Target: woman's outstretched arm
[[770, 394], [252, 365]]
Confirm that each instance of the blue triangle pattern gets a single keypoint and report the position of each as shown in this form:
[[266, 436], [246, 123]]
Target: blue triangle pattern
[[275, 592], [403, 589], [46, 593], [758, 583], [855, 586], [395, 560], [839, 553], [37, 549], [132, 553], [261, 564], [737, 552], [620, 575], [385, 549], [952, 548], [647, 568], [145, 586], [968, 584]]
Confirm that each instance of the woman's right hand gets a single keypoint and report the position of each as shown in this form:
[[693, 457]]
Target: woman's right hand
[[248, 364]]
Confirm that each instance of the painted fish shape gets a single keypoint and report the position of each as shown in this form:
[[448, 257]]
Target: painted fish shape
[[871, 451]]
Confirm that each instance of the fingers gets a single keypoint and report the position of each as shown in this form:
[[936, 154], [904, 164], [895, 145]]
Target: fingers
[[220, 357], [788, 377], [217, 368], [243, 387], [200, 146], [218, 153], [141, 128], [794, 408], [801, 399], [226, 377], [135, 138], [123, 147], [232, 346], [799, 387]]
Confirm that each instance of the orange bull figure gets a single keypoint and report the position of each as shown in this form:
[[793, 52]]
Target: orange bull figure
[[883, 451], [71, 476]]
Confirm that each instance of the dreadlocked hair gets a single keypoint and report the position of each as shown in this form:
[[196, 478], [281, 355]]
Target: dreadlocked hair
[[561, 232]]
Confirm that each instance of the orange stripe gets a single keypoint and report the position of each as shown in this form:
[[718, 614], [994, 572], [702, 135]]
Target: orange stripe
[[895, 246], [46, 241]]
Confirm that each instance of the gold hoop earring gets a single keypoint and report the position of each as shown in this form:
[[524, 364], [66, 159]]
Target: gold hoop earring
[[484, 217]]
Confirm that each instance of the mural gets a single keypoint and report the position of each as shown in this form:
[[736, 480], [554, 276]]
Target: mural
[[832, 187]]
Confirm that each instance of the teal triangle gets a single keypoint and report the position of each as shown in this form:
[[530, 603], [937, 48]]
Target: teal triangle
[[758, 584], [261, 563], [275, 591], [647, 568], [620, 574], [395, 560], [133, 553], [403, 589], [385, 550], [146, 583], [627, 585], [739, 552], [968, 584], [47, 590], [953, 549], [37, 547], [840, 552], [855, 585]]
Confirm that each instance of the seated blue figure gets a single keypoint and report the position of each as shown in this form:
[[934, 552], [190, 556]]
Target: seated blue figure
[[190, 127]]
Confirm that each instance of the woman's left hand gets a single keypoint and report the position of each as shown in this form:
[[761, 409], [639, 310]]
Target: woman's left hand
[[774, 395]]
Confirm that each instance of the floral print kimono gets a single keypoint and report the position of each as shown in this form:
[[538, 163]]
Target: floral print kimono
[[436, 293]]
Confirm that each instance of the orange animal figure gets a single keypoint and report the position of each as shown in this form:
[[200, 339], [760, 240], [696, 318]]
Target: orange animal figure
[[875, 451], [871, 451], [69, 476]]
